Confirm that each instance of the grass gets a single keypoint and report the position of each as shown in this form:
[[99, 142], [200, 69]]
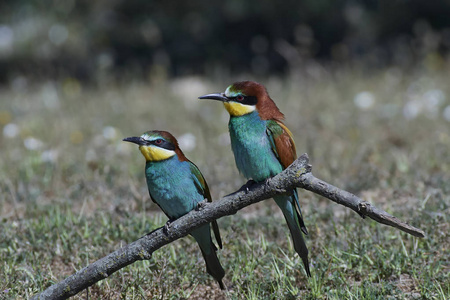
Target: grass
[[72, 192]]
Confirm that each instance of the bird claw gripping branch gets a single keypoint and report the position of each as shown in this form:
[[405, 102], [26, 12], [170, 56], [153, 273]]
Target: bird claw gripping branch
[[201, 205]]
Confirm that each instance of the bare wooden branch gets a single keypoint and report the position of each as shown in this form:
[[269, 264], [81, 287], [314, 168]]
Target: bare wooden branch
[[296, 175]]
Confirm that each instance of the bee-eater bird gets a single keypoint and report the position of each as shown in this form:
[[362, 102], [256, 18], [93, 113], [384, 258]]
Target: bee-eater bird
[[177, 186], [263, 146]]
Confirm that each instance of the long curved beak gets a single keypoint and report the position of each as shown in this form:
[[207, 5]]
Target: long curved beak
[[217, 96], [135, 140]]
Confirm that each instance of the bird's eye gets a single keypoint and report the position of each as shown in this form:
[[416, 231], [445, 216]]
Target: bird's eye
[[158, 141], [239, 97]]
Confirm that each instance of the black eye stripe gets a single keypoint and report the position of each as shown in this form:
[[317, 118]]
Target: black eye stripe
[[162, 144], [248, 100]]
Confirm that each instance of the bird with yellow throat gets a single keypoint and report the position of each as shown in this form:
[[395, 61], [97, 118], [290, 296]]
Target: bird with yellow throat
[[263, 146], [177, 186]]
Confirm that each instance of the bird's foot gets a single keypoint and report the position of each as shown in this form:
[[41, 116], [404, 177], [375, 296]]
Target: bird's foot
[[201, 205], [167, 226], [248, 185]]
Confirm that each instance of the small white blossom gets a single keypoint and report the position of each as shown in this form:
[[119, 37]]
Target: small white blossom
[[412, 109], [432, 100], [187, 142], [109, 133], [90, 155], [11, 130], [32, 143], [446, 113], [364, 100], [50, 156]]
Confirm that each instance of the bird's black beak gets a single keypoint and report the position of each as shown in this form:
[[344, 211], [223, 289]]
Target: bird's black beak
[[134, 139], [218, 96]]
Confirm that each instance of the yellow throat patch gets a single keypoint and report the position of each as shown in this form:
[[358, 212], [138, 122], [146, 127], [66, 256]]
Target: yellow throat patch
[[237, 109], [152, 153]]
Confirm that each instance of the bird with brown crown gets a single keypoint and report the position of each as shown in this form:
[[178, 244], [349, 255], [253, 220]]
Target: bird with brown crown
[[263, 146], [177, 186]]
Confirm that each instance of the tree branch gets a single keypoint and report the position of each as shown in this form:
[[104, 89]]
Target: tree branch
[[296, 175]]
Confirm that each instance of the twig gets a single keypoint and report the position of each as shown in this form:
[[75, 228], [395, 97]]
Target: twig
[[296, 175]]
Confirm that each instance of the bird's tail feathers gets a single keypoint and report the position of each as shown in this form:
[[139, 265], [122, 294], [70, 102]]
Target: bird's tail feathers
[[296, 226], [299, 245], [299, 212], [213, 266], [203, 237], [217, 233]]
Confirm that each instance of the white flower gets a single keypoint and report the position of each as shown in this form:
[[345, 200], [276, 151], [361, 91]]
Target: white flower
[[364, 100], [187, 142], [11, 130], [32, 143], [50, 156], [446, 113], [188, 89], [412, 109], [109, 133], [90, 155], [432, 100]]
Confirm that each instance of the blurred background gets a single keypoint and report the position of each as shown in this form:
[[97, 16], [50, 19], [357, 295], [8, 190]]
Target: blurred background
[[106, 40], [365, 89]]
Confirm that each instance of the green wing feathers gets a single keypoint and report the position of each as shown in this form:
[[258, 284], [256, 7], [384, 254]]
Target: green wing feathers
[[203, 189]]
